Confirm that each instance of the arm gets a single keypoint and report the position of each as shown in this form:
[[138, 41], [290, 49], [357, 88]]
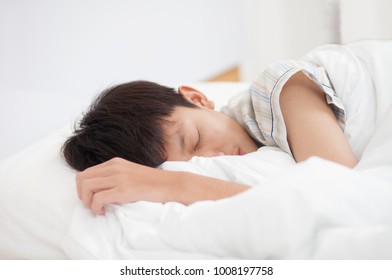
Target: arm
[[312, 128], [122, 181]]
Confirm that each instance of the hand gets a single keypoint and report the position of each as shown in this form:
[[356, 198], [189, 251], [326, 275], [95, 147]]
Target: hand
[[121, 181]]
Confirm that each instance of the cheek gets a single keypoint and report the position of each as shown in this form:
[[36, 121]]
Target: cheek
[[227, 131], [232, 127], [221, 128]]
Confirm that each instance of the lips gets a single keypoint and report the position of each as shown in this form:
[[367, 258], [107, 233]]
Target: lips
[[240, 152]]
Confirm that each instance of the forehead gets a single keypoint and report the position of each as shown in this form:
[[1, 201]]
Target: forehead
[[181, 118]]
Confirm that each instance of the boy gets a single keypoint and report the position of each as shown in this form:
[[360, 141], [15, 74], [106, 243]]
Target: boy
[[134, 127]]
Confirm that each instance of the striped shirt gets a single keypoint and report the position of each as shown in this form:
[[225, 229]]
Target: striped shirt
[[258, 110]]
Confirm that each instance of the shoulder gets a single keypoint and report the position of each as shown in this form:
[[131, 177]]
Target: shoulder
[[275, 75], [312, 128]]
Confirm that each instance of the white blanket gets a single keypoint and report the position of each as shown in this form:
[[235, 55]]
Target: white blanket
[[316, 209]]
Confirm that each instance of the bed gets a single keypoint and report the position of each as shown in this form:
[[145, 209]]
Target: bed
[[313, 210]]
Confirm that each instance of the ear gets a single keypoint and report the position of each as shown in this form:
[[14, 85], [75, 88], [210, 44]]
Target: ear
[[196, 97]]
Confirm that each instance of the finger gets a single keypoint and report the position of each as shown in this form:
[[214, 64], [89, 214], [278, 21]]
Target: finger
[[98, 171], [77, 181], [102, 198], [91, 186]]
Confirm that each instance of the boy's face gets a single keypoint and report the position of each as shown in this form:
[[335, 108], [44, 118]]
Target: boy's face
[[204, 132]]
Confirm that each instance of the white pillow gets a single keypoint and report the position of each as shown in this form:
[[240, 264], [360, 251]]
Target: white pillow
[[37, 199]]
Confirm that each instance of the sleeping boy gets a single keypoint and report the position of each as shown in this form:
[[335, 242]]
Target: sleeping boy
[[134, 127]]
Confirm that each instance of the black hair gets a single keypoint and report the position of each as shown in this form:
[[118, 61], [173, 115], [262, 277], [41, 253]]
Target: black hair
[[124, 121]]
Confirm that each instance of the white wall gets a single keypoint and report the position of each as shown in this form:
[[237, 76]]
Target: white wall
[[77, 43], [53, 52], [59, 51], [365, 19], [286, 29]]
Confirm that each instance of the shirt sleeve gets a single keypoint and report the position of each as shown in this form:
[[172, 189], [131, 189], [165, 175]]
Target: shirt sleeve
[[265, 94], [257, 109]]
